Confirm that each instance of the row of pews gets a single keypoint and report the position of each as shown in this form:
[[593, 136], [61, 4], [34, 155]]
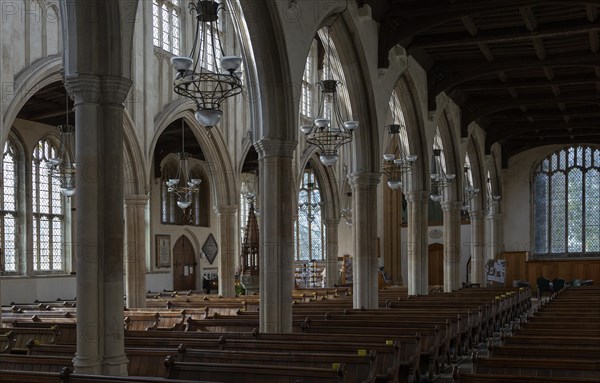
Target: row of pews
[[560, 342], [189, 336]]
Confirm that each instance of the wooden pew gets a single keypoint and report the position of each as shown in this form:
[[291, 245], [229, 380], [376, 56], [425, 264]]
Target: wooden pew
[[23, 336], [7, 341], [246, 373], [42, 363], [358, 368], [575, 368]]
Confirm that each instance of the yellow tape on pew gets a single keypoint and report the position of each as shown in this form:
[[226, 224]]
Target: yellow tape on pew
[[362, 352], [389, 342], [335, 366]]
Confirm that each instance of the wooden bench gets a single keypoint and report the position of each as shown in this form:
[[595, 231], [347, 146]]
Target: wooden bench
[[23, 336], [246, 373], [358, 368], [574, 368], [41, 363]]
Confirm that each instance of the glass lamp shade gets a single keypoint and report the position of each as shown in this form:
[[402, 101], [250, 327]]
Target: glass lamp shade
[[329, 159], [450, 177], [181, 63], [389, 157], [306, 129], [411, 158], [496, 198], [351, 125], [68, 191], [208, 117], [195, 182], [436, 197], [52, 162], [231, 63], [322, 123], [172, 182], [183, 204], [394, 183]]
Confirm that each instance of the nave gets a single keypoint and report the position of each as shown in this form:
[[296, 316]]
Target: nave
[[410, 339]]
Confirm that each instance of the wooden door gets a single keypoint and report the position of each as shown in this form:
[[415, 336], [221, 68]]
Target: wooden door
[[436, 264], [184, 265]]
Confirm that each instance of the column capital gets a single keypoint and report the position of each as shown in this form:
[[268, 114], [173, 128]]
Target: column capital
[[225, 209], [451, 205], [274, 147], [364, 179], [136, 200], [476, 214], [93, 89], [416, 195], [492, 216]]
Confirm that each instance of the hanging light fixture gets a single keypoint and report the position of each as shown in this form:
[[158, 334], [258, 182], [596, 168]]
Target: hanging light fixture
[[439, 178], [182, 185], [492, 199], [470, 191], [346, 212], [309, 199], [394, 167], [207, 88], [62, 167], [329, 131]]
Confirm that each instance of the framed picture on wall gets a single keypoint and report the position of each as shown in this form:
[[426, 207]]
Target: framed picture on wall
[[163, 250]]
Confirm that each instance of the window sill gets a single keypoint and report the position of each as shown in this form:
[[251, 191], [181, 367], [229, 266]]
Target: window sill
[[37, 276]]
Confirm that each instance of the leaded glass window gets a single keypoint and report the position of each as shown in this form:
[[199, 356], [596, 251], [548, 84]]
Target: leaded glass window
[[166, 25], [566, 195], [8, 209], [309, 228], [48, 212]]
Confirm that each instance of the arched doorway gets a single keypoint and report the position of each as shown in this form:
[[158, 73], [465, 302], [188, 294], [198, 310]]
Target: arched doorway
[[184, 265], [436, 264]]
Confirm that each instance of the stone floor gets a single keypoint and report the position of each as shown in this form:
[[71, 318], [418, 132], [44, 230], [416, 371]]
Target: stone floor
[[464, 363]]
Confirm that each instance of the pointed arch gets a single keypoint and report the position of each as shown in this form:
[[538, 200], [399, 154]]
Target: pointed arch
[[220, 166]]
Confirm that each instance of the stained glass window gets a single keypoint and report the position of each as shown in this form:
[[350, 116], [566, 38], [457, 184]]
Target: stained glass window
[[48, 212], [166, 25], [8, 208], [309, 230], [566, 192]]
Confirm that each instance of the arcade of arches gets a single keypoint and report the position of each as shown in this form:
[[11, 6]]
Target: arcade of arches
[[122, 233]]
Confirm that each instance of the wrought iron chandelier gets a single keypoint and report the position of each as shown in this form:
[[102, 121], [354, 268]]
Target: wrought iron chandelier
[[62, 167], [394, 167], [329, 131], [470, 191], [346, 212], [492, 199], [182, 185], [208, 89], [309, 200], [439, 179]]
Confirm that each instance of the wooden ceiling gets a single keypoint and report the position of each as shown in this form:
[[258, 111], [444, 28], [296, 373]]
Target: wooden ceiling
[[527, 71], [48, 106]]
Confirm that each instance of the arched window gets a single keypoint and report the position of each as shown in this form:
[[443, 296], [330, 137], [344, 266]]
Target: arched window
[[48, 212], [166, 25], [310, 232], [9, 208], [566, 209]]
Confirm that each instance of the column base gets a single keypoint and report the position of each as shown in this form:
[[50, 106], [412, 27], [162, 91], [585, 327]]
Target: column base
[[115, 366], [89, 366]]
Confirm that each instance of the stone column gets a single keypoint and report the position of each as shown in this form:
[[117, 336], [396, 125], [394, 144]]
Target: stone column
[[364, 217], [276, 233], [99, 147], [416, 246], [135, 250], [451, 239], [227, 239], [477, 244], [331, 247], [494, 245], [392, 228]]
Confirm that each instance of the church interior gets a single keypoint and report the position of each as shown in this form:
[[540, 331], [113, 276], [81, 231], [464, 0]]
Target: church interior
[[300, 191]]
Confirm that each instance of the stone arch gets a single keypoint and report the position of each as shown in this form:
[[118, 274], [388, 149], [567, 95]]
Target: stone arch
[[327, 181], [43, 72], [415, 129], [477, 171], [451, 155], [135, 173], [221, 170]]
